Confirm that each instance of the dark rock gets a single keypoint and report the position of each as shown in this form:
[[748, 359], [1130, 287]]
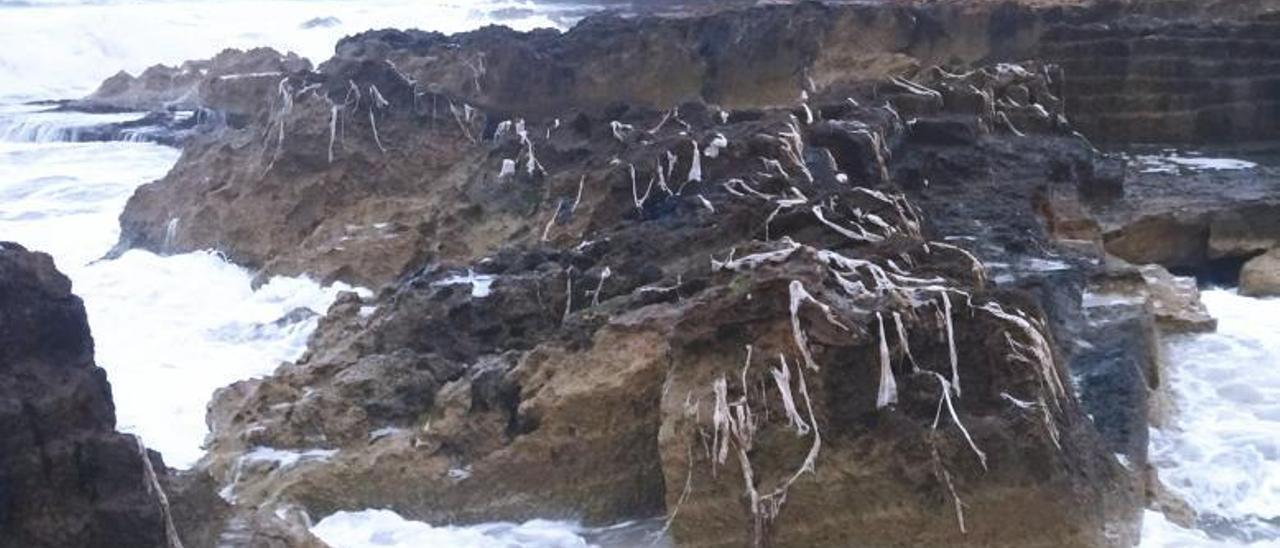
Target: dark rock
[[161, 88], [935, 131], [1261, 275], [67, 478], [1105, 181], [297, 315], [199, 514], [1117, 372], [1206, 223]]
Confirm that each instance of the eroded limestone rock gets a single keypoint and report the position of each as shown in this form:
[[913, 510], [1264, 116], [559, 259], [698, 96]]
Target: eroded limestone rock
[[1260, 277]]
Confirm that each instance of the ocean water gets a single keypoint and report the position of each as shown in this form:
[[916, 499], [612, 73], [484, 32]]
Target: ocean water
[[63, 49], [378, 528], [43, 124], [1221, 453], [168, 330]]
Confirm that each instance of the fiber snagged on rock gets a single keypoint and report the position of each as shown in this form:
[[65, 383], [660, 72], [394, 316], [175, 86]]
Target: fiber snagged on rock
[[595, 295], [951, 342], [734, 429], [859, 235], [945, 398], [508, 168], [381, 103], [333, 128], [695, 167], [620, 130], [799, 295], [902, 338], [782, 378], [888, 393], [153, 487], [718, 143], [636, 197]]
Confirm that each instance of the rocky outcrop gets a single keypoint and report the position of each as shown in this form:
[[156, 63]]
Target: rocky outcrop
[[734, 269], [369, 210], [1198, 221], [186, 87], [67, 478], [1120, 373], [1260, 277], [1174, 301], [1142, 79], [163, 127], [355, 130], [570, 298]]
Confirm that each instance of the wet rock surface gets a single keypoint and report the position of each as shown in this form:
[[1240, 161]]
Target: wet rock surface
[[164, 127], [178, 103], [734, 269], [186, 87], [67, 478], [569, 298]]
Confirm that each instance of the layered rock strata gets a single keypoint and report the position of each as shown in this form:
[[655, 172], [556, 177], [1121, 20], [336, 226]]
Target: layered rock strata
[[735, 270], [1171, 81], [578, 292]]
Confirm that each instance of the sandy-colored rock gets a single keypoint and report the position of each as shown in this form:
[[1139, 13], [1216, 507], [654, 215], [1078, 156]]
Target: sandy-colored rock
[[1168, 239], [1260, 277], [1175, 301], [1245, 231]]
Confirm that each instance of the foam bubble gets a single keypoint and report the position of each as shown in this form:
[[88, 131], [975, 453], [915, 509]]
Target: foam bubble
[[65, 49], [1159, 532], [168, 330], [42, 124], [1171, 162], [386, 529], [1222, 451]]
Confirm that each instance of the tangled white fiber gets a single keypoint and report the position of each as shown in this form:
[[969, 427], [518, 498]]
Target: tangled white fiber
[[782, 378], [736, 423], [851, 291], [1038, 354], [284, 102], [734, 430]]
